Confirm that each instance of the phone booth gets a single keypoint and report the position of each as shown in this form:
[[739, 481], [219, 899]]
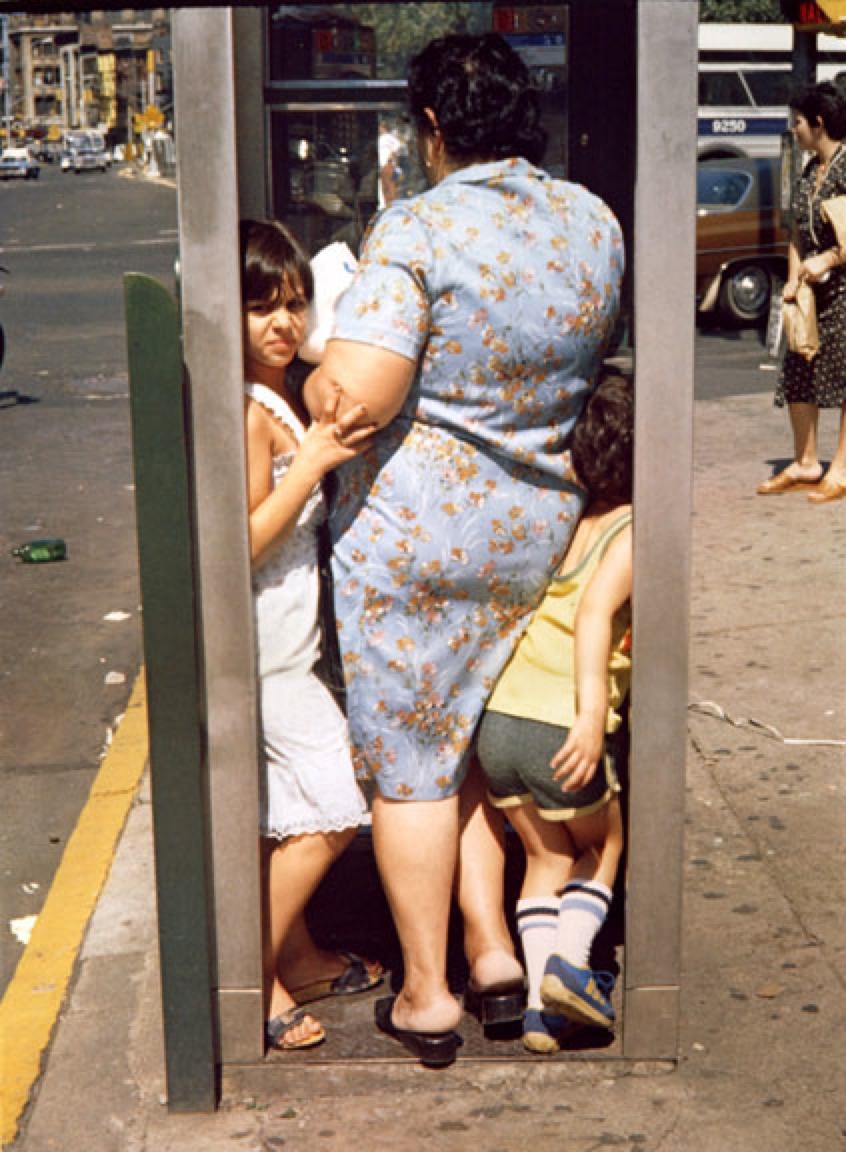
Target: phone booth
[[298, 111]]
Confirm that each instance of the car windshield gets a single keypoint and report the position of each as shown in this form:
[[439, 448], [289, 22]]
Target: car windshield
[[769, 87], [722, 89], [721, 187]]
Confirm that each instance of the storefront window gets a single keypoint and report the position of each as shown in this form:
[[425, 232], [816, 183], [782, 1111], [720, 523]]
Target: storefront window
[[342, 145]]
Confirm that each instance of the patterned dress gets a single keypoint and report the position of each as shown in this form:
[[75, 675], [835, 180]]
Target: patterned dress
[[821, 381], [502, 285]]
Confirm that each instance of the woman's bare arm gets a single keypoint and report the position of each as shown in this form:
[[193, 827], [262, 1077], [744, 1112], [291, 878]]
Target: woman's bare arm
[[362, 374]]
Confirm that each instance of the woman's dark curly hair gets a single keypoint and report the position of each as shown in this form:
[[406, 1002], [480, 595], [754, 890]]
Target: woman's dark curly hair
[[273, 263], [824, 102], [603, 441], [479, 89]]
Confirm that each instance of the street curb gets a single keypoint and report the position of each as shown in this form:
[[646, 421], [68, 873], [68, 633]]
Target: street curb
[[35, 996]]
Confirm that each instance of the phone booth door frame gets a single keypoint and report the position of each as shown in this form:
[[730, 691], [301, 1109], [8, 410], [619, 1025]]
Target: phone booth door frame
[[221, 175]]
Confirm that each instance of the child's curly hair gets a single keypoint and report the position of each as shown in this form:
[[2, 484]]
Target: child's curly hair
[[603, 441]]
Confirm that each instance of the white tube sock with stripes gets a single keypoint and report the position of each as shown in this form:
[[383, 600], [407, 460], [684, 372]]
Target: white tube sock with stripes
[[537, 923], [584, 906]]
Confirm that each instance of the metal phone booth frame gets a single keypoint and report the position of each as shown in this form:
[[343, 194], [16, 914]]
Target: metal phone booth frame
[[218, 61]]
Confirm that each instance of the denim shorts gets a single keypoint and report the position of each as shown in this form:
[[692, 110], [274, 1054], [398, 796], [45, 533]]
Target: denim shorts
[[515, 753]]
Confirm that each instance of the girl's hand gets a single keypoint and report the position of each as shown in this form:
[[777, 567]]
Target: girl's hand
[[331, 440], [575, 761]]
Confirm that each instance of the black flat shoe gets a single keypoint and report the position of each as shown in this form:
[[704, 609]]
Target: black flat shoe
[[433, 1049], [502, 1003]]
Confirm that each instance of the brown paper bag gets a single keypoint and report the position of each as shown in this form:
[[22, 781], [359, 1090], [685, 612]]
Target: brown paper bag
[[834, 210], [800, 322]]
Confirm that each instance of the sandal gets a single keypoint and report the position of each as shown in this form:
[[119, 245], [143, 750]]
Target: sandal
[[502, 1003], [277, 1028], [358, 976], [432, 1049]]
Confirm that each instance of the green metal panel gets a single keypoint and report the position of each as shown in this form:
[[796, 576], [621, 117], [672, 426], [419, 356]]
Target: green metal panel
[[163, 507]]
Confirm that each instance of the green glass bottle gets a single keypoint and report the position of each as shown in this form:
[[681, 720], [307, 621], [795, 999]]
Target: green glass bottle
[[41, 551]]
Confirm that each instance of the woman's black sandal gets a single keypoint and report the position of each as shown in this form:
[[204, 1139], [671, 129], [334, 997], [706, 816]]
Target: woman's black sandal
[[502, 1003], [433, 1049]]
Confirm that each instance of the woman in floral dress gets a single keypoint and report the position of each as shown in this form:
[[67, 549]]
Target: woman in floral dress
[[473, 333]]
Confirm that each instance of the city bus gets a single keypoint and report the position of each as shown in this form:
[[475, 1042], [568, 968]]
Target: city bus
[[745, 80]]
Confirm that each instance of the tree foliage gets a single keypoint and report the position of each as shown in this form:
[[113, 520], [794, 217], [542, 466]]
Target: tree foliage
[[403, 29], [740, 12]]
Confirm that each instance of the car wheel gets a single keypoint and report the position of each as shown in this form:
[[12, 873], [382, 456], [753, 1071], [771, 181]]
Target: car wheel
[[745, 293]]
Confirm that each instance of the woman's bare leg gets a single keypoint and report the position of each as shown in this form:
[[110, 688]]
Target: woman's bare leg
[[480, 887], [416, 844], [803, 422], [837, 468]]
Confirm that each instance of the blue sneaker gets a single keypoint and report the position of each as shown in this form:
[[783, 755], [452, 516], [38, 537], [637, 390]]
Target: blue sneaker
[[580, 994], [545, 1033]]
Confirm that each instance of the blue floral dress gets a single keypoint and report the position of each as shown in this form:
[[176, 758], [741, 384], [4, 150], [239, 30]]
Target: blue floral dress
[[502, 284]]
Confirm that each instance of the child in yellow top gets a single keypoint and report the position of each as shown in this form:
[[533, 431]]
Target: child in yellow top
[[546, 741]]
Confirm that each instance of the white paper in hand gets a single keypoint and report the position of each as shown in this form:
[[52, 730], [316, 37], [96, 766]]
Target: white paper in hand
[[333, 269]]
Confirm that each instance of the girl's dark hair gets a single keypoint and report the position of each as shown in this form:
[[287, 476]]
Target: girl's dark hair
[[479, 89], [824, 102], [272, 260], [603, 441]]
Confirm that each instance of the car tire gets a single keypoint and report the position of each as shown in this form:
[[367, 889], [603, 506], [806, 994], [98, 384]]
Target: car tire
[[745, 293]]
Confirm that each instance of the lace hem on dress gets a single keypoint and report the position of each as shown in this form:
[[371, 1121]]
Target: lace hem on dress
[[312, 827]]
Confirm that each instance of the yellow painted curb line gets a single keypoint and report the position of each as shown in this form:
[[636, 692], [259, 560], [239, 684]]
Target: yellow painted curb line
[[34, 998]]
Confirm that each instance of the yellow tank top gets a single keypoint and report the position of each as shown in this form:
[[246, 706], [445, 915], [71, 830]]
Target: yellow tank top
[[539, 682]]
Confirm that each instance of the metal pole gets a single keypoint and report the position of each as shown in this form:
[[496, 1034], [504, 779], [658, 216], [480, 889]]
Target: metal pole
[[174, 704], [663, 255], [804, 57], [7, 82], [204, 62]]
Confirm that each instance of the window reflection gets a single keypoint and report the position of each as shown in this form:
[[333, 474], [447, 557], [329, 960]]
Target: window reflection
[[342, 146]]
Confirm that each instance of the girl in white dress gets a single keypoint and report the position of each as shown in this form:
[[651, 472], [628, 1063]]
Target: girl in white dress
[[311, 803]]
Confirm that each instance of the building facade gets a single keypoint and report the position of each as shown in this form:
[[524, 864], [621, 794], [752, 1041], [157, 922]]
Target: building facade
[[109, 71]]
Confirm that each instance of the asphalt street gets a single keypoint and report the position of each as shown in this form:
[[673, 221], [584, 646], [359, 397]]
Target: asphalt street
[[71, 636]]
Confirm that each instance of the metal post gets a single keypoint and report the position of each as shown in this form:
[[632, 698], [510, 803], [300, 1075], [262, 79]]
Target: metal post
[[7, 83], [211, 323], [663, 257], [249, 111], [804, 57], [166, 563]]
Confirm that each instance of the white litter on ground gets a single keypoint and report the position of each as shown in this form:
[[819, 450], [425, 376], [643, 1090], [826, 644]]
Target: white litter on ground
[[709, 708], [22, 928]]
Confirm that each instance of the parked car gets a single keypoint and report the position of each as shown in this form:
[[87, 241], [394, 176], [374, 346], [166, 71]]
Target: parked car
[[741, 242], [18, 164], [85, 160]]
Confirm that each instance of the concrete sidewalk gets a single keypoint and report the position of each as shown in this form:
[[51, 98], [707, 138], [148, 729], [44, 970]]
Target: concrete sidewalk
[[763, 999]]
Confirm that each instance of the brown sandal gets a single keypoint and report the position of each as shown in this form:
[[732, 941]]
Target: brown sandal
[[277, 1028], [358, 976]]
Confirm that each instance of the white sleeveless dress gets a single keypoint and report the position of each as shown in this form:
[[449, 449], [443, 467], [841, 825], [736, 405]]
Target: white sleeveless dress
[[308, 784]]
